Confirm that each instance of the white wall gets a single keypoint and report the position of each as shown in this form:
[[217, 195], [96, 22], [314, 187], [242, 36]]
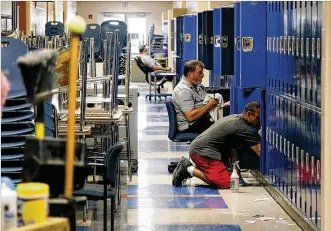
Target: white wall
[[95, 7]]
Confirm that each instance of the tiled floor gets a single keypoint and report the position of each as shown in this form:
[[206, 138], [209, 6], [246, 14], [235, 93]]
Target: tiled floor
[[151, 203]]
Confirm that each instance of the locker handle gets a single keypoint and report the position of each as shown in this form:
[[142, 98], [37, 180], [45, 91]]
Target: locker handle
[[267, 133], [281, 49], [297, 46], [313, 47], [289, 45], [277, 140], [267, 43], [307, 47], [293, 45], [285, 147], [318, 171], [273, 138], [206, 39], [312, 166], [302, 158], [273, 44], [285, 45], [277, 45], [301, 47], [297, 155], [293, 157], [318, 48], [307, 162]]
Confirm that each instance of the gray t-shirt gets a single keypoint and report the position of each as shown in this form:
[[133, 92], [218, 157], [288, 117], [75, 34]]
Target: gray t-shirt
[[228, 133], [187, 97], [149, 61]]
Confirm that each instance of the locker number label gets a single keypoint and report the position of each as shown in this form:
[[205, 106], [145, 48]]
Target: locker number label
[[247, 44]]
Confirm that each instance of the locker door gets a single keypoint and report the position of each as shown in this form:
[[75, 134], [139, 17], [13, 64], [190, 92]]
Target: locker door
[[287, 35], [273, 45], [208, 39], [253, 44], [319, 51], [281, 46], [293, 57], [313, 53], [200, 37], [298, 49], [237, 45], [308, 28], [172, 35], [189, 35], [318, 169], [269, 26], [227, 38], [217, 64], [277, 38], [303, 35]]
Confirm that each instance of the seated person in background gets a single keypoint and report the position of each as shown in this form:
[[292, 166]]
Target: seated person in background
[[189, 96], [149, 61], [211, 150]]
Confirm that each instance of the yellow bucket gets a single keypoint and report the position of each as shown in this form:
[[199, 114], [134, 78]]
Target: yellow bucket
[[32, 202]]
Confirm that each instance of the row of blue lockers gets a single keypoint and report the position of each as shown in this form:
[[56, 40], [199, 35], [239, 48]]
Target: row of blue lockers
[[294, 49], [276, 60], [208, 37]]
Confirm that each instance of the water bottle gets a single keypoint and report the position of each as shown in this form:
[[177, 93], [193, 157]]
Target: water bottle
[[234, 181], [8, 204]]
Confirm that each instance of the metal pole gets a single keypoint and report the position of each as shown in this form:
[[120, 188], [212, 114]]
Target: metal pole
[[114, 74], [104, 84], [83, 56], [92, 64], [128, 73]]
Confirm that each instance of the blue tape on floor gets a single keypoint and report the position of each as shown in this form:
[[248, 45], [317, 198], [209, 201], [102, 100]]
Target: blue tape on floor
[[82, 228], [176, 202], [159, 189], [185, 227]]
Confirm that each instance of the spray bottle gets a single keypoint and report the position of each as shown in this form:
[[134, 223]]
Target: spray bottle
[[8, 204], [234, 181]]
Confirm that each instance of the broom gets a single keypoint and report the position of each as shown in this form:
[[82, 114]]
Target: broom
[[39, 77]]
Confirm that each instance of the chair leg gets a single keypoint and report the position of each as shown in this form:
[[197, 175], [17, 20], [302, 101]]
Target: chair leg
[[112, 215], [85, 212]]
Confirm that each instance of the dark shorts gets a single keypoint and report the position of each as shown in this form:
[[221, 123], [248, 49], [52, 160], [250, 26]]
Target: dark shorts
[[215, 170]]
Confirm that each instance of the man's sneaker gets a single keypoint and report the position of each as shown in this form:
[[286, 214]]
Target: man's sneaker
[[181, 173]]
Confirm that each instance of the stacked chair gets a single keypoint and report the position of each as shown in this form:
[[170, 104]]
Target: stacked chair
[[18, 116]]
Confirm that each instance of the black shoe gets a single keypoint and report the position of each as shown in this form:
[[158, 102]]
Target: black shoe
[[181, 173]]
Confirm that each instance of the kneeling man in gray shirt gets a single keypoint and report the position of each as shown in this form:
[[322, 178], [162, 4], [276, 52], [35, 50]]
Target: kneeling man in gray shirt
[[212, 148]]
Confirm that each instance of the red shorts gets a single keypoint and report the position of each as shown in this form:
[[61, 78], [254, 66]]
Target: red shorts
[[215, 170]]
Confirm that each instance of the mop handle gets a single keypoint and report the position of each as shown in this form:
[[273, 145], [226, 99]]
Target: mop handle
[[73, 68]]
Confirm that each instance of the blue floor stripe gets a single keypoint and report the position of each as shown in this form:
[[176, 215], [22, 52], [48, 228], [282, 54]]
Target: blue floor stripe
[[176, 202], [159, 189], [190, 227]]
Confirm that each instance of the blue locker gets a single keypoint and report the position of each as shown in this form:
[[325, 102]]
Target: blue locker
[[313, 53], [173, 24], [298, 49], [237, 45], [200, 37], [227, 41], [281, 46], [217, 47], [309, 90], [318, 170], [253, 44], [291, 47], [269, 45], [263, 128], [189, 37], [208, 39], [303, 79], [319, 51], [242, 96]]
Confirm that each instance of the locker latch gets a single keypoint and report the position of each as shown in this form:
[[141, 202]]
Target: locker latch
[[247, 44], [225, 41], [200, 39], [187, 38], [217, 41], [238, 43]]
